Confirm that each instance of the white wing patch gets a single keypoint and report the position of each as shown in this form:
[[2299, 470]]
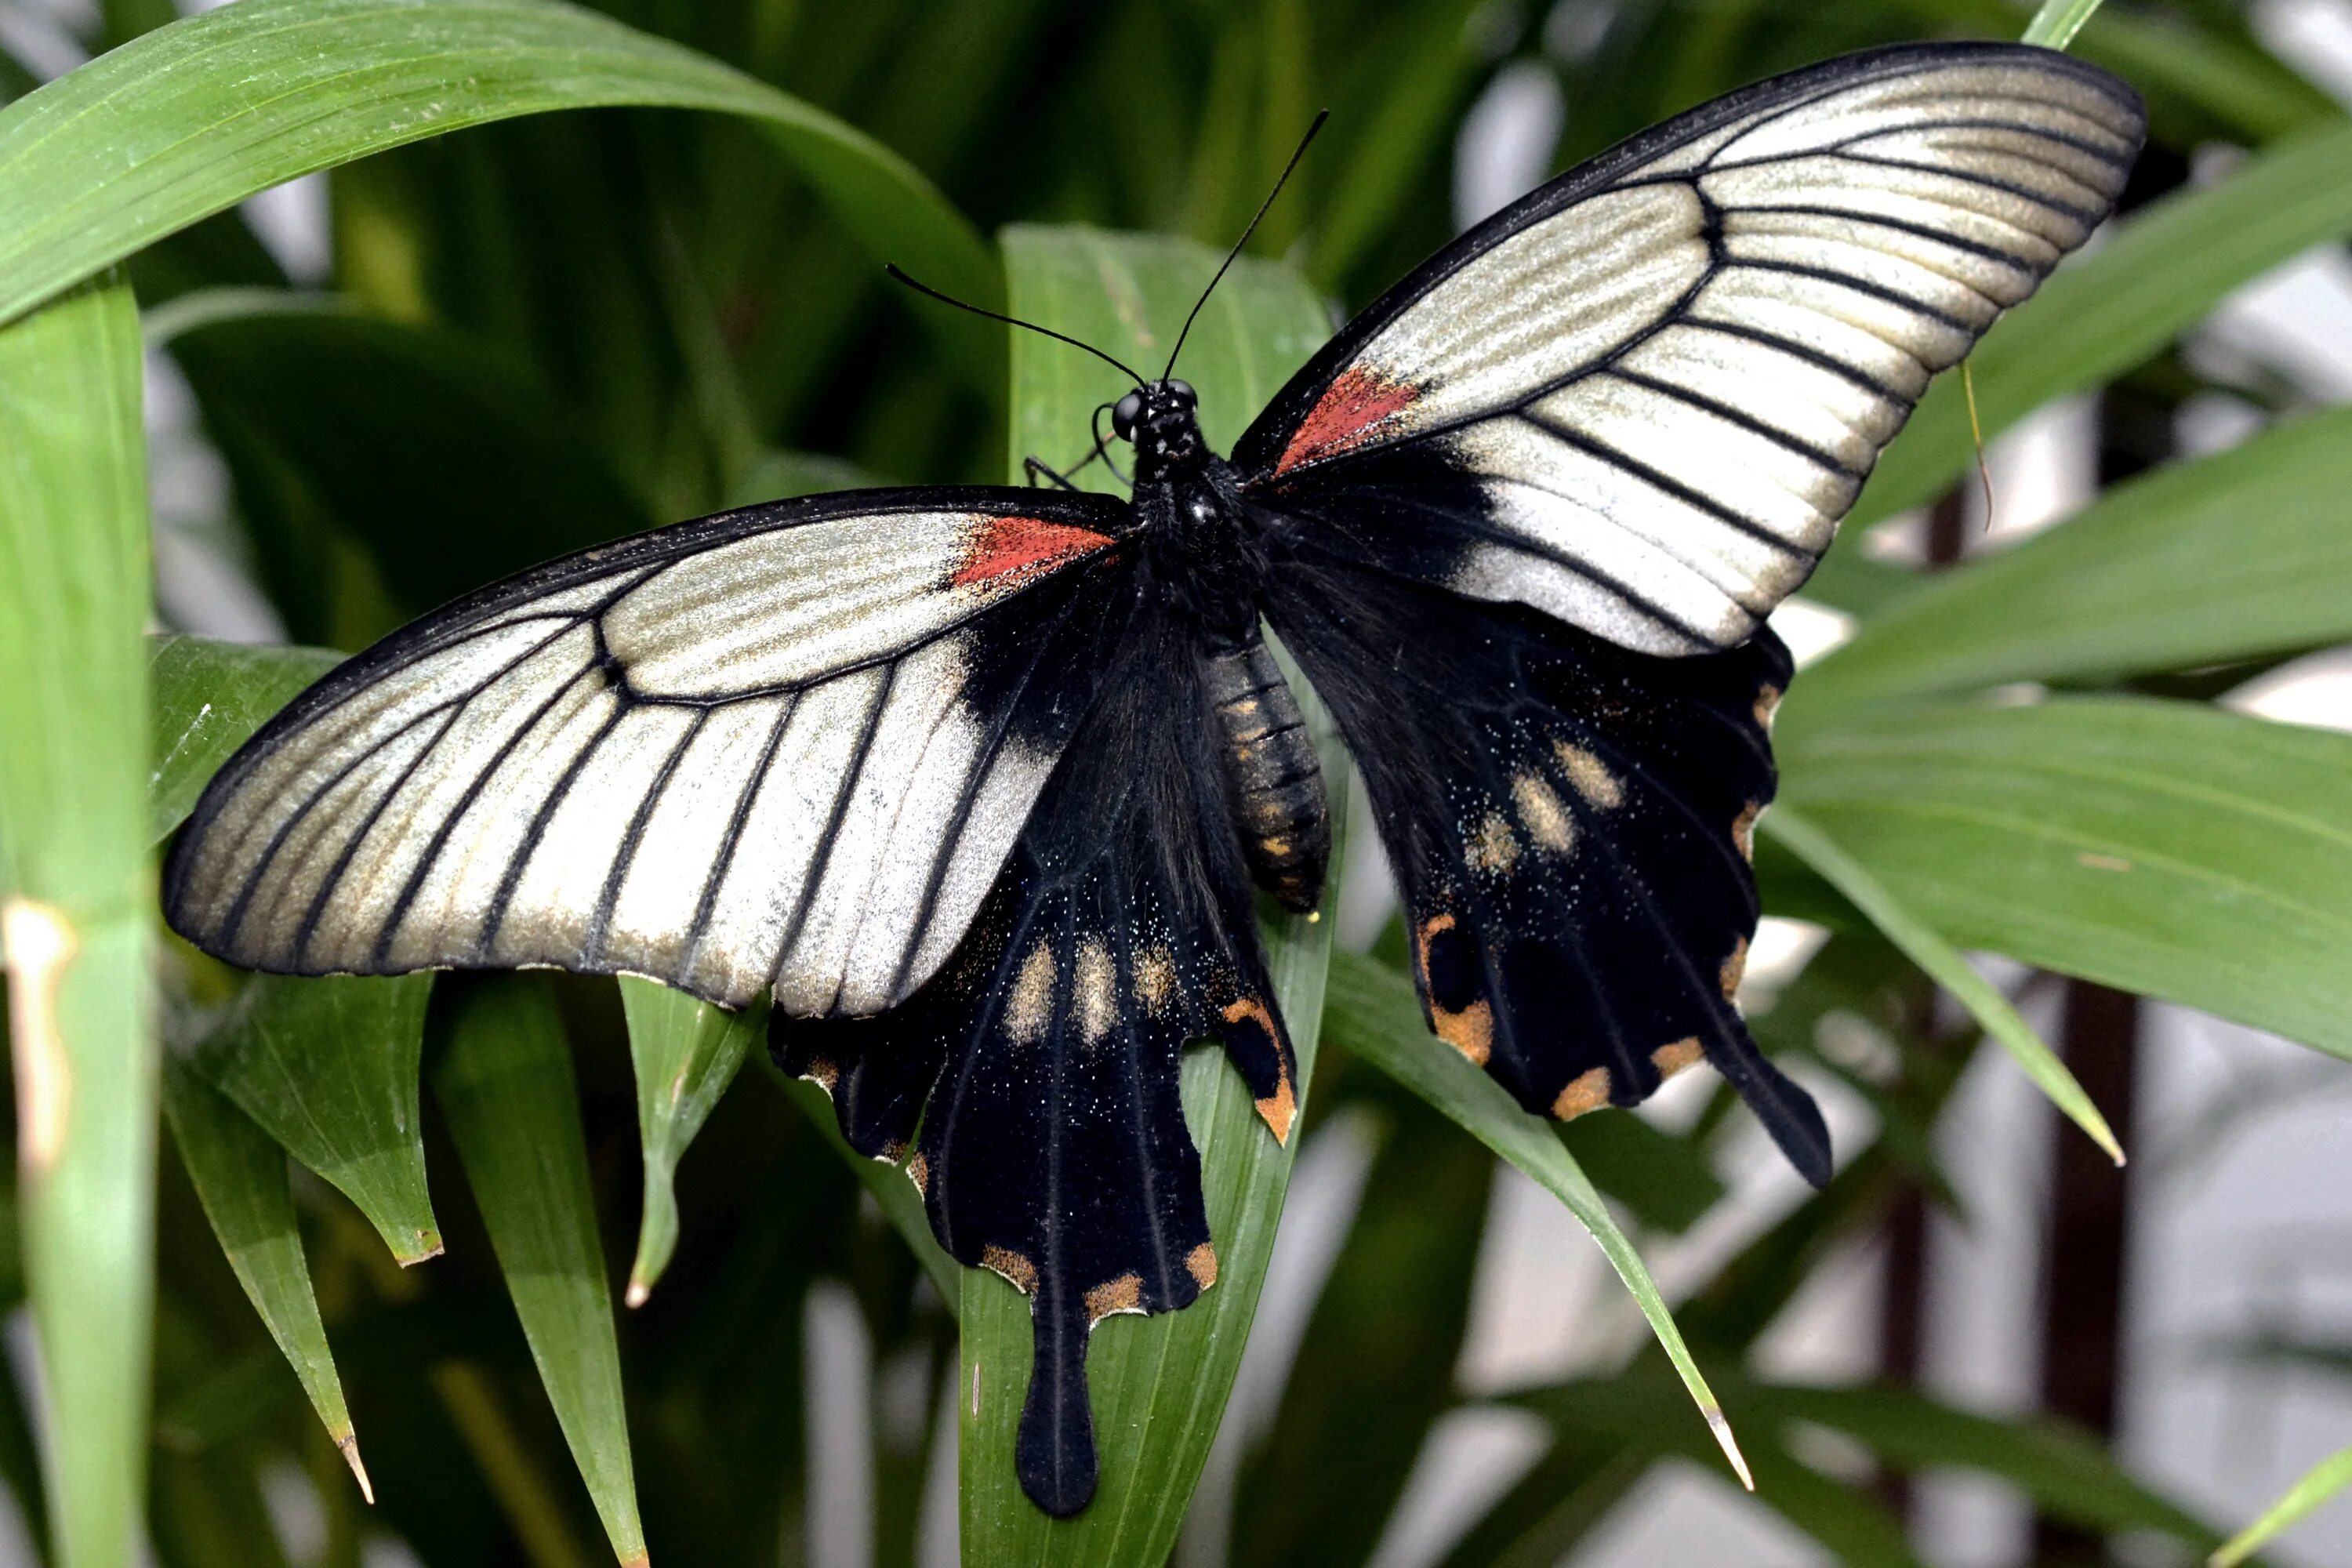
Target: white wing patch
[[762, 763], [1668, 389]]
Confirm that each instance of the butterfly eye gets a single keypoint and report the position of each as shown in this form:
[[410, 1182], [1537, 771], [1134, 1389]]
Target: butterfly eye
[[1182, 391], [1123, 417]]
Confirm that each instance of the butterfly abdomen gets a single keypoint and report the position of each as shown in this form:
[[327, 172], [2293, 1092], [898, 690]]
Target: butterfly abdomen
[[1271, 771]]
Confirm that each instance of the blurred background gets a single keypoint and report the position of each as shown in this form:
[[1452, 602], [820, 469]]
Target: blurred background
[[556, 331]]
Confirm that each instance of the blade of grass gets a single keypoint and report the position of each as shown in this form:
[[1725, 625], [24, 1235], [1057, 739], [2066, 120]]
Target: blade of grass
[[239, 1173], [2322, 1482], [193, 118], [76, 893], [2233, 556], [1373, 1011], [1159, 1383], [1946, 966], [328, 1068], [505, 1084], [685, 1052], [2103, 313], [2054, 25]]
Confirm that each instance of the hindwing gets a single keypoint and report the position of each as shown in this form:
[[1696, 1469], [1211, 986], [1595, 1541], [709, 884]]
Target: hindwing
[[1031, 1086], [785, 746], [1570, 825], [1642, 397]]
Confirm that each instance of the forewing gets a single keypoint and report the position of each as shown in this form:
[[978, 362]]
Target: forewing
[[1571, 827], [790, 745], [1053, 1149], [1642, 397]]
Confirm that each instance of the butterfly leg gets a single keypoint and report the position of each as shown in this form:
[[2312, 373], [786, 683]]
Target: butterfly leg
[[1033, 468]]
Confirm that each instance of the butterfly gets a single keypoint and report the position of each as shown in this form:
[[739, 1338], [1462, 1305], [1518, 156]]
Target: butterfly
[[980, 782]]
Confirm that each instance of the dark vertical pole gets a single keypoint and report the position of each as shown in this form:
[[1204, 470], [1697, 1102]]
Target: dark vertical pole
[[2082, 1314]]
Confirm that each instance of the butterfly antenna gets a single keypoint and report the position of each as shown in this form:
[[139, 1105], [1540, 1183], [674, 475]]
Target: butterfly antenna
[[892, 269], [1230, 256]]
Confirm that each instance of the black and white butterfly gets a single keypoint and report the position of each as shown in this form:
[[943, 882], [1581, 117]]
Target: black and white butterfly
[[978, 780]]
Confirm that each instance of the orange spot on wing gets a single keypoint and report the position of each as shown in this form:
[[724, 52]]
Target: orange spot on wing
[[1587, 1092], [1007, 552], [1358, 400]]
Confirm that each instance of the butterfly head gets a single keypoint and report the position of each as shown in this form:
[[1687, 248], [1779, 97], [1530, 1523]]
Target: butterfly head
[[1162, 418]]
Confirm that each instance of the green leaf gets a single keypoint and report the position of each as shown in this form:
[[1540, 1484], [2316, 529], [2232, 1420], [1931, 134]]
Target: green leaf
[[239, 1173], [1666, 1181], [2162, 847], [207, 698], [1375, 1369], [2054, 25], [2103, 313], [1159, 1383], [505, 1084], [685, 1052], [1947, 967], [328, 1068], [1373, 1011], [2066, 1472], [193, 118], [75, 893], [2324, 1481], [894, 1192], [2224, 558], [424, 445]]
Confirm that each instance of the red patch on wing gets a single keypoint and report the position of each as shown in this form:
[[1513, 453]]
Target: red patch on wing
[[1007, 552], [1356, 403]]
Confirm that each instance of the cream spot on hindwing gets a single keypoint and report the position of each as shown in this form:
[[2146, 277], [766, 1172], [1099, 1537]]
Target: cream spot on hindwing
[[1590, 776], [1155, 980], [1029, 1010], [1546, 816], [1491, 846], [1098, 991]]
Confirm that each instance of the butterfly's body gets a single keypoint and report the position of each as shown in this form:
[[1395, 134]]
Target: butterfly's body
[[1208, 545], [976, 780]]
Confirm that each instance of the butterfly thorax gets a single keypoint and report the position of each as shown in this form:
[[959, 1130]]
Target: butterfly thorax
[[1207, 545]]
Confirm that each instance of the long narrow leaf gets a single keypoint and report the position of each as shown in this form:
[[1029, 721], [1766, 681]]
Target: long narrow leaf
[[2228, 557], [2157, 847], [685, 1052], [2322, 1482], [208, 698], [193, 118], [894, 1192], [328, 1068], [2054, 25], [239, 1172], [505, 1084], [1947, 967], [75, 900], [1159, 1383], [1372, 1009], [2105, 313]]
